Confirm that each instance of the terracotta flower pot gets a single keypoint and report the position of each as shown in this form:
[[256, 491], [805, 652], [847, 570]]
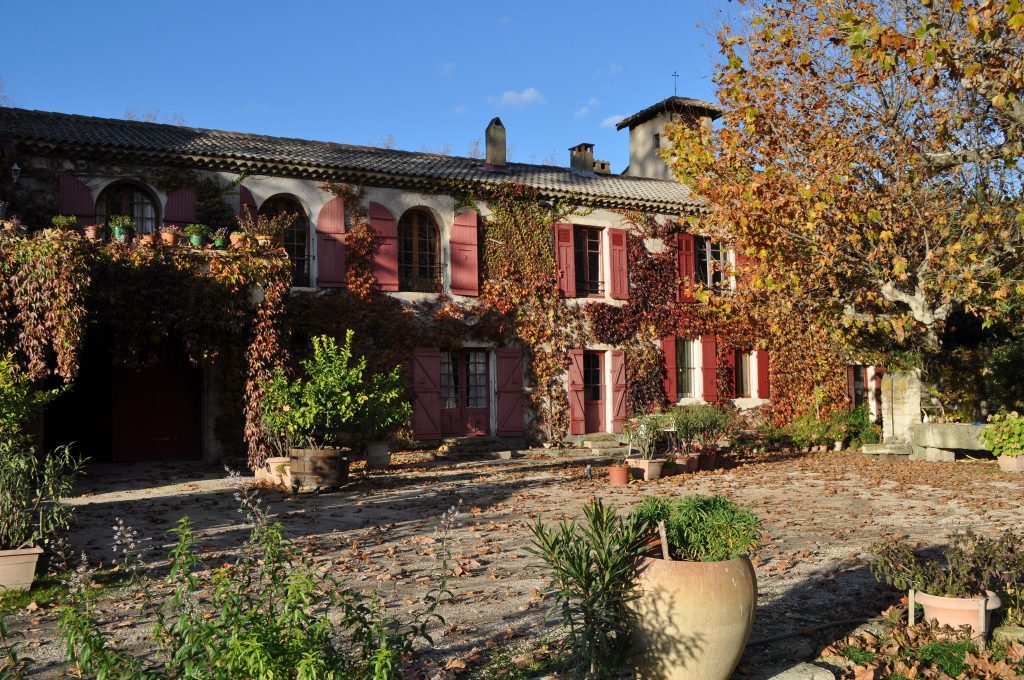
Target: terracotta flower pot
[[618, 475], [959, 611], [688, 463], [148, 239], [694, 617], [1011, 463], [264, 240], [651, 469], [94, 232], [279, 470], [237, 239], [18, 567], [378, 456], [169, 238]]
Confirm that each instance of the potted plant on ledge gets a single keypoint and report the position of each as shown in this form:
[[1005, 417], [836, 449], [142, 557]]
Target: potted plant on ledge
[[265, 228], [121, 228], [169, 234], [197, 234], [960, 589], [697, 599], [220, 238], [1004, 437]]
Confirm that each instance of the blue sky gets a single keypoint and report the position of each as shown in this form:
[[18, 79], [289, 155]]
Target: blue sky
[[428, 74]]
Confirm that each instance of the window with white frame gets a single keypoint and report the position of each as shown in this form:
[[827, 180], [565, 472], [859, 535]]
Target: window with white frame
[[686, 368], [742, 374]]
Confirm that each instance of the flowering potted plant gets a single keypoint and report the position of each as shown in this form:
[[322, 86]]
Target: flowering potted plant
[[121, 228], [197, 234], [265, 228], [220, 238], [237, 238], [169, 234], [1004, 437]]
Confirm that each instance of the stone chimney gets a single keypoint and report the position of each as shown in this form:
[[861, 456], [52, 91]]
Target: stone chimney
[[581, 157], [602, 167], [495, 136]]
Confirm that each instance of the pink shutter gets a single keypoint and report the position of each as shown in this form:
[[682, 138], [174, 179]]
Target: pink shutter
[[74, 198], [246, 202], [566, 260], [330, 244], [620, 267], [668, 349], [709, 367], [686, 268], [763, 375], [426, 384], [464, 254], [510, 391], [385, 256], [577, 422], [618, 390], [181, 206]]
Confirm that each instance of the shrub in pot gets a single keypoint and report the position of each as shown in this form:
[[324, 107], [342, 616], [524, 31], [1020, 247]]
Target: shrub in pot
[[593, 566], [381, 412], [237, 239], [220, 238], [1004, 437], [265, 228], [170, 234], [197, 234], [696, 609], [964, 586], [31, 485], [121, 228], [64, 222], [643, 435]]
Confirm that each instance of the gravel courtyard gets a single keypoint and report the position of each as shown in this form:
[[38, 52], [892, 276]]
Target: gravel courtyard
[[821, 511]]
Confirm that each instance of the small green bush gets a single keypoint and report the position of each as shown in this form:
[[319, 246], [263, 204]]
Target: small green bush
[[860, 429], [593, 568], [197, 230], [122, 222], [703, 528], [1005, 434], [64, 222]]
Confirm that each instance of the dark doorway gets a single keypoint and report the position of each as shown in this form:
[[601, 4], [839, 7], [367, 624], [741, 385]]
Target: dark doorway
[[465, 408], [593, 391]]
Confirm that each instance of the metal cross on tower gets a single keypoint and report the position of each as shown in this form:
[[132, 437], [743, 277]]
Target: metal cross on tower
[[675, 83]]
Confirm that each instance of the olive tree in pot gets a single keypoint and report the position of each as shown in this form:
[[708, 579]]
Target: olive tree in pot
[[962, 588], [643, 435], [382, 410], [306, 414], [697, 599], [31, 486]]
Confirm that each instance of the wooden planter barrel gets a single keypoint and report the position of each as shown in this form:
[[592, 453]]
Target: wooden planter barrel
[[318, 468]]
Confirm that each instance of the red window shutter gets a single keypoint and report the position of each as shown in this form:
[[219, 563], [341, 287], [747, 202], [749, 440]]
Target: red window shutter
[[246, 202], [577, 423], [620, 267], [668, 348], [181, 206], [566, 261], [618, 390], [709, 367], [426, 384], [763, 375], [510, 391], [464, 253], [686, 268], [74, 198], [385, 256], [330, 244]]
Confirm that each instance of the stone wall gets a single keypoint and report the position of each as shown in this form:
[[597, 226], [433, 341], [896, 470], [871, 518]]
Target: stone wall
[[901, 404]]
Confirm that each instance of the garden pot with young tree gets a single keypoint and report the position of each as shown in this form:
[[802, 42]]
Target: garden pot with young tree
[[643, 434], [696, 599], [31, 486], [265, 229], [382, 410]]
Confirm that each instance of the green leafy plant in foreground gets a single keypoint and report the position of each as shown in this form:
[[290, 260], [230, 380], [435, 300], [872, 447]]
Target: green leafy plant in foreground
[[1005, 434], [593, 567], [271, 613], [703, 528]]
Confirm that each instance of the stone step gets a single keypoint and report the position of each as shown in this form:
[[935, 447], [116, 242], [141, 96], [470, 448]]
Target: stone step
[[891, 451], [601, 443], [613, 451]]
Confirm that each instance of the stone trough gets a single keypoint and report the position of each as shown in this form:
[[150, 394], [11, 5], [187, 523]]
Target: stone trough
[[940, 442]]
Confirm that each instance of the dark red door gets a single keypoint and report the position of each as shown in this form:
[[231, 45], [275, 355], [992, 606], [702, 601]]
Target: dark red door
[[156, 412], [593, 392], [464, 393]]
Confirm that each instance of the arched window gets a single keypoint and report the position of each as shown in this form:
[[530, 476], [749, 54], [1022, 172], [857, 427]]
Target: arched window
[[419, 253], [296, 237], [123, 198]]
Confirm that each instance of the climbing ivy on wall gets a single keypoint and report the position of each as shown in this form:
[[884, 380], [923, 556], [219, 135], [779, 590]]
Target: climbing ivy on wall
[[57, 287]]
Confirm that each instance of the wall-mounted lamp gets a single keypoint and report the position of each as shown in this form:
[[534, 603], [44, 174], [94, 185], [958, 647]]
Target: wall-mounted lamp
[[15, 172]]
